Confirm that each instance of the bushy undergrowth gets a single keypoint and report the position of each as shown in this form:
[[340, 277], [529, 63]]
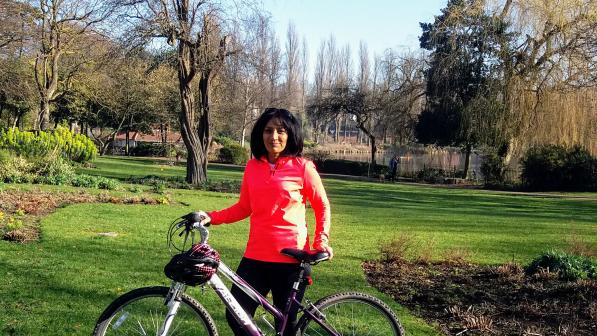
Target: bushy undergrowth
[[158, 150], [555, 167], [566, 266], [158, 184], [347, 167], [436, 175], [52, 170], [234, 154], [493, 169], [97, 182], [73, 147], [231, 151], [11, 222]]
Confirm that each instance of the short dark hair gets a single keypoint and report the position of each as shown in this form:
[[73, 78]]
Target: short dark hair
[[294, 144]]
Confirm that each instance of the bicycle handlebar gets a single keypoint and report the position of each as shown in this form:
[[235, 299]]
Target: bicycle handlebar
[[186, 226]]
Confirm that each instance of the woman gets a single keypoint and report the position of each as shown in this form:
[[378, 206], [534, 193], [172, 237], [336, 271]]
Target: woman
[[276, 184]]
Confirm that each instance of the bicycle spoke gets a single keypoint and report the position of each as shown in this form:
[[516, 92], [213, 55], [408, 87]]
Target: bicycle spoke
[[142, 312], [353, 314]]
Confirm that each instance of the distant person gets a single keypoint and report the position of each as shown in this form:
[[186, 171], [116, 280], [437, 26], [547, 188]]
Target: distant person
[[394, 163]]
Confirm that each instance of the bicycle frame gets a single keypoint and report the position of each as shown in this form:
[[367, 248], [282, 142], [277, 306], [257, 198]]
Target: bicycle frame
[[245, 321], [239, 313]]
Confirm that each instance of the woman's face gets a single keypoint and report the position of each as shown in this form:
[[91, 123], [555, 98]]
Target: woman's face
[[275, 137]]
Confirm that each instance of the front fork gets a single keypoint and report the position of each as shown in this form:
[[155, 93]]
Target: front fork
[[173, 302]]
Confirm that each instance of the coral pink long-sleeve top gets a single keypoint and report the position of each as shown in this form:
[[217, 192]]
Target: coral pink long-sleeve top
[[275, 199]]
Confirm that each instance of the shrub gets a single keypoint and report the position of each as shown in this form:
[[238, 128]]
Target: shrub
[[107, 183], [309, 144], [97, 182], [225, 141], [231, 186], [318, 156], [13, 224], [159, 184], [346, 167], [16, 169], [154, 149], [436, 175], [74, 147], [398, 249], [554, 167], [52, 170], [233, 153], [493, 169], [158, 187], [84, 181], [567, 266]]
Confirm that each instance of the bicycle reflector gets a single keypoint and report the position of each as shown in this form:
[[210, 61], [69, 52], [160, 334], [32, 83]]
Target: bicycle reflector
[[195, 266]]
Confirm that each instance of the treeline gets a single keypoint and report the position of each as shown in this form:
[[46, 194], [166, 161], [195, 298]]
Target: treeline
[[500, 76]]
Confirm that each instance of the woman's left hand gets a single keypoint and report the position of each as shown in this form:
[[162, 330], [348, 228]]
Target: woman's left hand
[[328, 249]]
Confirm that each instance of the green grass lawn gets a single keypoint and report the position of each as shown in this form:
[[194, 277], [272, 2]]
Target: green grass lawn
[[60, 285]]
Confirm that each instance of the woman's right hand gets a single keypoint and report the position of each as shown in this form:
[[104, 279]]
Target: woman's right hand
[[200, 217]]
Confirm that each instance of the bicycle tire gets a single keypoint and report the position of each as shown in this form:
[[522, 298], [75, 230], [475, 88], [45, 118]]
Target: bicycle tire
[[142, 311], [351, 313]]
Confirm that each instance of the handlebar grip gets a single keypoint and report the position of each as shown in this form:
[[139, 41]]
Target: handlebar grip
[[193, 217]]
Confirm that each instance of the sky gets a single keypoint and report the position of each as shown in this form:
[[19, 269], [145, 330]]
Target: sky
[[382, 24]]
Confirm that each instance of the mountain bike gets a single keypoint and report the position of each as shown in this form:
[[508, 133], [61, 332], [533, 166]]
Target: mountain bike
[[163, 311]]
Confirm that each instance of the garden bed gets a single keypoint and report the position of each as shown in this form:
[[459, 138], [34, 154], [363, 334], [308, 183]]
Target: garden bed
[[20, 211], [467, 299]]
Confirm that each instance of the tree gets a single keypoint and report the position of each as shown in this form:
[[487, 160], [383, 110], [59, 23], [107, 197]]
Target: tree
[[548, 74], [250, 79], [17, 91], [401, 91], [362, 106], [61, 24], [16, 26], [197, 29], [357, 101], [464, 43], [118, 98]]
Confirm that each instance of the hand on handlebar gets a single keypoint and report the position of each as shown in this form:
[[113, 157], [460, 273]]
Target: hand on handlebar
[[200, 217]]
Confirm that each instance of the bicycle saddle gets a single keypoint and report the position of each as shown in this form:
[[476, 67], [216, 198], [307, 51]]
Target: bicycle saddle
[[311, 257]]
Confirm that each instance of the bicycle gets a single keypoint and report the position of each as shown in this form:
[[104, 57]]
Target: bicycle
[[163, 311]]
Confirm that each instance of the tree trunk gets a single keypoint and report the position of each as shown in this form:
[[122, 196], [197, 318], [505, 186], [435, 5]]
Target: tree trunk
[[196, 139], [337, 130], [467, 160], [43, 119], [126, 146], [373, 150], [191, 139], [46, 77], [104, 148], [243, 132]]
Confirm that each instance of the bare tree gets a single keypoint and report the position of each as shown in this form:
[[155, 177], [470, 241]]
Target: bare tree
[[401, 92], [251, 78], [198, 30], [292, 53], [16, 26], [61, 24]]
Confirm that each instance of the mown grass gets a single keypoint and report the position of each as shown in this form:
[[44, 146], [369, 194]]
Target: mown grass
[[60, 285]]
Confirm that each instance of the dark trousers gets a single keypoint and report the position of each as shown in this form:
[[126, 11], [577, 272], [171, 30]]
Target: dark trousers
[[264, 277]]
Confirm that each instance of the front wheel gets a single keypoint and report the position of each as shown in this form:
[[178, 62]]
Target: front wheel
[[351, 314], [142, 312]]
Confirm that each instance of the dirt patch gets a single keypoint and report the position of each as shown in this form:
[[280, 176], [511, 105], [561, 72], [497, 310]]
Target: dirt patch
[[469, 299], [20, 211]]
